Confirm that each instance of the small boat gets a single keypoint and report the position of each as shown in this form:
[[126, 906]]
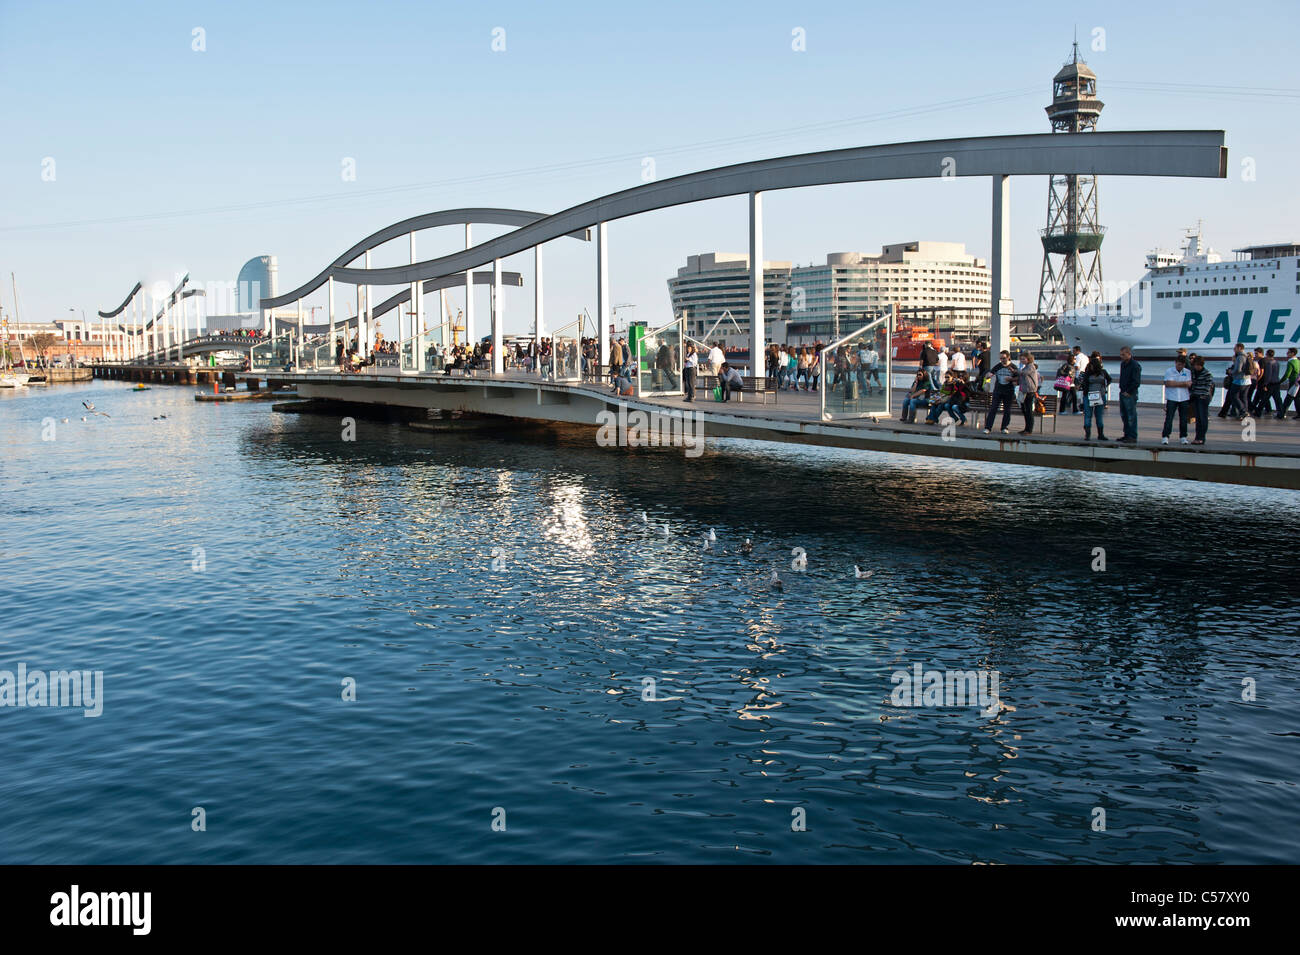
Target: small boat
[[13, 379], [140, 388], [909, 341]]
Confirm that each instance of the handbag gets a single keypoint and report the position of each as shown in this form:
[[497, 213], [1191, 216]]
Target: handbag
[[1039, 408], [1064, 383], [717, 393]]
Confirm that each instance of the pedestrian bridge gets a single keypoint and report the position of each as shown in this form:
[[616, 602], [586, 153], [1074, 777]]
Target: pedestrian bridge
[[1268, 455]]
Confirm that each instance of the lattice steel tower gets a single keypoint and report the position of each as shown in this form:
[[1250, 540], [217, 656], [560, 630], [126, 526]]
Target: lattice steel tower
[[1072, 239]]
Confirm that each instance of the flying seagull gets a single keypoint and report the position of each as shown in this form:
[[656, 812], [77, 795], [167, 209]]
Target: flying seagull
[[90, 406]]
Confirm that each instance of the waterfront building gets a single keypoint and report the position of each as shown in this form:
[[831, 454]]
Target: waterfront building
[[828, 300], [713, 284], [936, 283]]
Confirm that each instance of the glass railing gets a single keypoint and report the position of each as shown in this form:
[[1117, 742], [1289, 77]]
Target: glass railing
[[317, 354], [566, 352], [274, 354], [855, 372], [437, 345], [659, 360]]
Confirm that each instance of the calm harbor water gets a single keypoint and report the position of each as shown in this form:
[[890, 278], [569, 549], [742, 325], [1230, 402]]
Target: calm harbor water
[[519, 687]]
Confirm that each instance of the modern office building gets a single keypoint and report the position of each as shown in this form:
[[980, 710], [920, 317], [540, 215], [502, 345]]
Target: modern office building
[[258, 279], [935, 283], [714, 283]]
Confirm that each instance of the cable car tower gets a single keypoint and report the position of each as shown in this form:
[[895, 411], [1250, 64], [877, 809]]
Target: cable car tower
[[1072, 239]]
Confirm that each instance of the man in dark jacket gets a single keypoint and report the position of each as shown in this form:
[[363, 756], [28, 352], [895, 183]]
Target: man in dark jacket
[[1130, 380], [981, 363], [1202, 390], [930, 363], [1005, 379]]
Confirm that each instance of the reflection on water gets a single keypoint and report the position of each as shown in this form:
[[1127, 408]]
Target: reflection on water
[[521, 684]]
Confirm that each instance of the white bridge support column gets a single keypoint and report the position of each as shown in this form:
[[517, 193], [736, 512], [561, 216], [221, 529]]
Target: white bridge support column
[[602, 290], [757, 329], [1000, 267], [417, 317], [537, 299], [364, 333], [498, 317], [469, 294], [333, 349], [298, 364]]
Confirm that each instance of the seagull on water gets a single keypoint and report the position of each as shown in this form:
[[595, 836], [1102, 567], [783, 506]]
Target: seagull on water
[[746, 547], [708, 545], [712, 536], [664, 530], [774, 582], [860, 574], [800, 561], [645, 519]]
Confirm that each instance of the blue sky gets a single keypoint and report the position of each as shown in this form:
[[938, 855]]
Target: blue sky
[[154, 143]]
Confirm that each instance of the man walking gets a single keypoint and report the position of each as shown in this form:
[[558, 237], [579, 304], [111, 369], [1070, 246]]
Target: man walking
[[1269, 376], [1130, 380], [1289, 382], [1177, 382], [1005, 378], [1230, 381]]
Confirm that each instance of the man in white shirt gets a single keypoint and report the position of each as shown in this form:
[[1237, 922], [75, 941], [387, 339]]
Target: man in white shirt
[[871, 362], [943, 363], [1080, 362], [689, 364], [1178, 395], [958, 360], [716, 358]]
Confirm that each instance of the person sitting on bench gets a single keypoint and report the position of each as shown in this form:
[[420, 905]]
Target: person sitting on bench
[[728, 380]]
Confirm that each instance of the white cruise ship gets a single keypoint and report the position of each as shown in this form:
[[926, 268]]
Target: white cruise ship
[[1198, 301]]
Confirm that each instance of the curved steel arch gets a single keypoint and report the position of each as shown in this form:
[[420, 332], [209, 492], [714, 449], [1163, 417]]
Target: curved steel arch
[[456, 280], [1197, 153], [428, 220], [125, 302]]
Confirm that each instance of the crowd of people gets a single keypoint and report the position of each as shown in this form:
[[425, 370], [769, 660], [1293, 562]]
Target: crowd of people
[[1256, 383]]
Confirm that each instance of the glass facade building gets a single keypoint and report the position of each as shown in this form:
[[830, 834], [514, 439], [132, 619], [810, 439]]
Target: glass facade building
[[258, 279]]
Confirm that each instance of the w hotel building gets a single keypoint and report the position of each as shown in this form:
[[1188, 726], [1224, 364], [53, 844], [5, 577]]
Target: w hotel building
[[935, 283]]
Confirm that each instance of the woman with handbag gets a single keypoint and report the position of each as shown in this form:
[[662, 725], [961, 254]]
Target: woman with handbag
[[1067, 397]]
